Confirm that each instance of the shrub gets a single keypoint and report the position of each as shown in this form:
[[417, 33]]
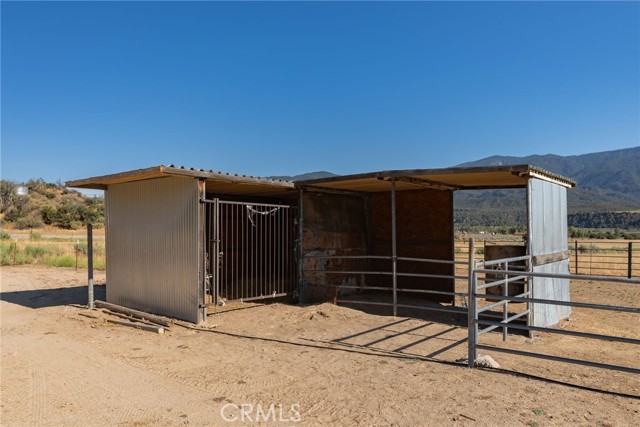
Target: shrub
[[30, 221], [4, 235], [83, 248], [35, 236], [36, 251], [63, 261]]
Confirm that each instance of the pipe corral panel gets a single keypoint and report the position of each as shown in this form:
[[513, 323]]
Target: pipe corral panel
[[152, 246]]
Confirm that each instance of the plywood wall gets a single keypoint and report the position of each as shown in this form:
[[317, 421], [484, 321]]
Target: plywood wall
[[424, 230]]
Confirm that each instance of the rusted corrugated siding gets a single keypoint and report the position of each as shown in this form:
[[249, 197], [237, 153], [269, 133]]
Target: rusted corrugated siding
[[152, 246]]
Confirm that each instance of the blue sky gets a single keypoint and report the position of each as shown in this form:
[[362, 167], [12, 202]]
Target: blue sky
[[91, 88]]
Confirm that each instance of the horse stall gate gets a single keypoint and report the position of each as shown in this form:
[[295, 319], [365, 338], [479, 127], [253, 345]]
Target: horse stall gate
[[249, 251]]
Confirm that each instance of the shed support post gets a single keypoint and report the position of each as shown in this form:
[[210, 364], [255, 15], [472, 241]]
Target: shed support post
[[472, 312], [203, 267], [90, 296], [394, 253], [300, 251]]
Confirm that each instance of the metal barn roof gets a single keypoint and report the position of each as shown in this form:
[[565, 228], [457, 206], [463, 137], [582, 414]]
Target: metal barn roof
[[459, 178], [221, 183]]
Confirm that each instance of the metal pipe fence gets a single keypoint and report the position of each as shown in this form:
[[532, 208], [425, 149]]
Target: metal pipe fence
[[394, 289], [479, 273], [615, 258]]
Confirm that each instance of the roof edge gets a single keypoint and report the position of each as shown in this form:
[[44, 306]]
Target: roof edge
[[518, 169], [101, 182]]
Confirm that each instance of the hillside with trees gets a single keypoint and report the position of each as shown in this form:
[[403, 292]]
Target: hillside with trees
[[47, 204]]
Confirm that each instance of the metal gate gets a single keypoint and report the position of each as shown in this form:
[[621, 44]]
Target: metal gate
[[249, 251]]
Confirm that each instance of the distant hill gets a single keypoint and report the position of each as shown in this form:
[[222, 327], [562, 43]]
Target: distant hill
[[607, 182], [47, 204]]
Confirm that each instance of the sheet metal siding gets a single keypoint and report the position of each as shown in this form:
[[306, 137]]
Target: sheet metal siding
[[548, 234], [152, 246]]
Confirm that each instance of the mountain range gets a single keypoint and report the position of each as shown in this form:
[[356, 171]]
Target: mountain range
[[606, 181], [607, 193]]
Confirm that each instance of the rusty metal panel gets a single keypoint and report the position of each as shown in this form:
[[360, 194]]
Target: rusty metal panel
[[152, 246], [547, 235]]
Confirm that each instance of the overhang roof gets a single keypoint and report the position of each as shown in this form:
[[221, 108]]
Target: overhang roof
[[217, 182], [460, 178]]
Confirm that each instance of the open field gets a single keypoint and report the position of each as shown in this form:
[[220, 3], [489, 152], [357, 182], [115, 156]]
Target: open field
[[334, 366], [597, 257]]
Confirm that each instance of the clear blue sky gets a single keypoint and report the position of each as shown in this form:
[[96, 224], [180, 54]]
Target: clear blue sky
[[90, 88]]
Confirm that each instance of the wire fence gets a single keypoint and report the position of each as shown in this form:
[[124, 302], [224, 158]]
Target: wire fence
[[615, 258], [71, 253]]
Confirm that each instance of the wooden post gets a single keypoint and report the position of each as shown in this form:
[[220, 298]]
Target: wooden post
[[15, 249], [576, 250]]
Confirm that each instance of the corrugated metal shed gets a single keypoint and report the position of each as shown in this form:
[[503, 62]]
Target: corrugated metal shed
[[152, 246]]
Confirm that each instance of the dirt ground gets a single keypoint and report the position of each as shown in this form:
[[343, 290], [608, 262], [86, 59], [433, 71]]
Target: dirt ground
[[317, 365]]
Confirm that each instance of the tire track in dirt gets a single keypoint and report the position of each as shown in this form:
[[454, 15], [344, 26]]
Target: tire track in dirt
[[123, 400], [37, 395]]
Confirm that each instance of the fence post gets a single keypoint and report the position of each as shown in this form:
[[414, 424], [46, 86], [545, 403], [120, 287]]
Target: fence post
[[505, 307], [90, 303], [15, 249], [472, 353], [576, 250], [630, 260]]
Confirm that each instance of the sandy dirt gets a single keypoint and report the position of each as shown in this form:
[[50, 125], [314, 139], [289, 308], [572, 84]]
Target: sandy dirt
[[319, 365]]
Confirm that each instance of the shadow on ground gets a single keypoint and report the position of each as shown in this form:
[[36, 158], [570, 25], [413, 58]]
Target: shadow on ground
[[41, 298]]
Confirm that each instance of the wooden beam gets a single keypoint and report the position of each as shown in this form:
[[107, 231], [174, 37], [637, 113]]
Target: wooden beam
[[143, 326], [422, 182], [135, 313], [550, 258]]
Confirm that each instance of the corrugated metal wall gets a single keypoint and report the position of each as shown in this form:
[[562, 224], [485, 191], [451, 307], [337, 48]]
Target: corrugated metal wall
[[548, 234], [152, 246]]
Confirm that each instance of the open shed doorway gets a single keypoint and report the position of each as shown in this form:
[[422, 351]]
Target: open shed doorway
[[249, 251], [381, 251]]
